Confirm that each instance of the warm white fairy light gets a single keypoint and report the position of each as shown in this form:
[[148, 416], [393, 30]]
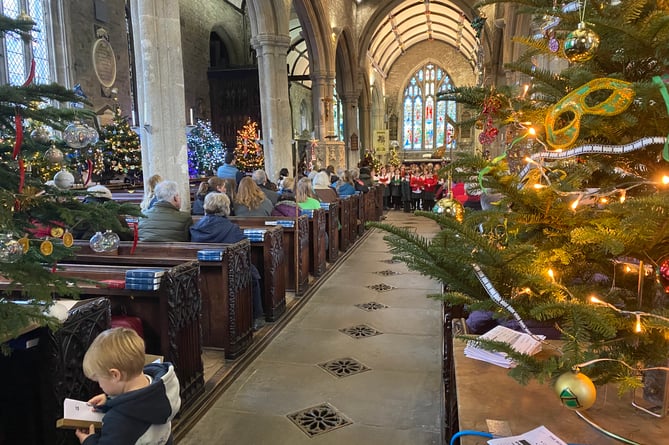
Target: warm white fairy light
[[636, 314]]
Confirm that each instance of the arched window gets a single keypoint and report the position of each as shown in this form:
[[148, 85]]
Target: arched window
[[18, 53], [425, 120], [304, 117]]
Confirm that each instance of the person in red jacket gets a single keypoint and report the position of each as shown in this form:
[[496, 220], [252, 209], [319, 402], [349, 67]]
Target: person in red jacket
[[416, 184], [430, 181]]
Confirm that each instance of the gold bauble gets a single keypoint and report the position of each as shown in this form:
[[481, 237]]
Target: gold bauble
[[575, 390], [450, 207], [580, 45]]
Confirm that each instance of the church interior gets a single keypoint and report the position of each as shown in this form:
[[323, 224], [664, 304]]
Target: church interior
[[550, 116]]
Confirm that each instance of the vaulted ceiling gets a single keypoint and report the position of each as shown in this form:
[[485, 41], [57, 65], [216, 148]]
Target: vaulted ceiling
[[408, 23], [415, 21]]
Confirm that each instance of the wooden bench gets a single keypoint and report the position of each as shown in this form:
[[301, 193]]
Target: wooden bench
[[225, 286], [317, 241], [295, 247], [345, 204], [268, 256], [332, 229], [170, 315]]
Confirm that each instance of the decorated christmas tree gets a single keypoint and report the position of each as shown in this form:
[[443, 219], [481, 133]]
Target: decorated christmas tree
[[36, 219], [394, 155], [205, 150], [574, 235], [249, 154], [121, 150]]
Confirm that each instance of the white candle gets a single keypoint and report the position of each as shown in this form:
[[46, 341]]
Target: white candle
[[259, 138], [191, 116], [134, 123]]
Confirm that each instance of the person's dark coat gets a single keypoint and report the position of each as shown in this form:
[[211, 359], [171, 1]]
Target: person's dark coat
[[216, 229]]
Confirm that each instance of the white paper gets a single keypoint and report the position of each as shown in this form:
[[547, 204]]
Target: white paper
[[538, 436], [78, 410], [519, 341]]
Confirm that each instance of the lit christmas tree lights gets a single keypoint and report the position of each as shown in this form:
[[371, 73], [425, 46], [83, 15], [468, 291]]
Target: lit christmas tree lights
[[249, 153], [206, 152], [121, 149]]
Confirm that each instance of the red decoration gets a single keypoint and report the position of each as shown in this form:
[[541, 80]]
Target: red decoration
[[89, 174], [18, 122], [135, 237], [31, 75], [22, 175]]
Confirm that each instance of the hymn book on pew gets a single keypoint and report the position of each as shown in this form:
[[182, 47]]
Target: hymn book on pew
[[79, 414]]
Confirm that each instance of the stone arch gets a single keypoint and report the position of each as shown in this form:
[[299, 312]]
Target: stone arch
[[317, 34], [232, 47]]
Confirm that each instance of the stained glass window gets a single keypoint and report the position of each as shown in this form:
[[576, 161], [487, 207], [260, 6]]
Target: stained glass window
[[19, 53], [425, 120]]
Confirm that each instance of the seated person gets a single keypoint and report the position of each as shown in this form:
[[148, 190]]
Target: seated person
[[84, 228], [215, 227], [164, 221], [322, 188], [250, 200], [214, 184], [305, 196], [344, 185], [286, 206], [139, 401]]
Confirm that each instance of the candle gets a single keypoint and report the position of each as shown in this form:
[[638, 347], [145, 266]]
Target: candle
[[191, 116], [134, 123], [258, 136]]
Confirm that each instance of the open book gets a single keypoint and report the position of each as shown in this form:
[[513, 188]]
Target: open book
[[78, 414], [520, 341]]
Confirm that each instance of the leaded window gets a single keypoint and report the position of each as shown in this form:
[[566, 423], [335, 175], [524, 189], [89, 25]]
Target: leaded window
[[18, 52], [426, 123]]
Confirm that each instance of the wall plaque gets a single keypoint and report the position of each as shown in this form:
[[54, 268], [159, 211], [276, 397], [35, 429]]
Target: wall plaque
[[104, 62]]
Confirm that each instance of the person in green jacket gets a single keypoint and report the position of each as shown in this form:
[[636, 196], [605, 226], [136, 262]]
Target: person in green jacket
[[164, 222]]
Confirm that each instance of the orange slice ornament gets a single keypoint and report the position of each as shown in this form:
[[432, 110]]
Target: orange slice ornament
[[46, 248], [24, 243], [68, 239], [57, 232]]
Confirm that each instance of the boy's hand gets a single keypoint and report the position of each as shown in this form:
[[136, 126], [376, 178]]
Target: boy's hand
[[83, 434], [98, 400]]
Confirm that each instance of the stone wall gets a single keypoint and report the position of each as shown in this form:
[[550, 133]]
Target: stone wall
[[86, 18], [198, 19]]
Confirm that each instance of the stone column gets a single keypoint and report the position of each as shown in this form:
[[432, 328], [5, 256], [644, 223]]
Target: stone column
[[160, 91], [277, 132], [350, 107], [322, 91]]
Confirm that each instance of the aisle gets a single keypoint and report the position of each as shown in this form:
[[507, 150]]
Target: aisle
[[359, 364]]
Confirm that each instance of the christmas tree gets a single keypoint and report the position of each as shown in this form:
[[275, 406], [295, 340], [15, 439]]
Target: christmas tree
[[576, 237], [205, 150], [249, 154], [121, 150], [37, 220]]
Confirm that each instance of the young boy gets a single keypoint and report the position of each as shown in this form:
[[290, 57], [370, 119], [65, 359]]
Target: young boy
[[139, 401]]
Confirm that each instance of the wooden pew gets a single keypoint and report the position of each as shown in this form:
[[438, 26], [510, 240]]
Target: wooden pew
[[268, 256], [295, 247], [345, 221], [170, 315], [225, 286], [332, 229], [317, 241]]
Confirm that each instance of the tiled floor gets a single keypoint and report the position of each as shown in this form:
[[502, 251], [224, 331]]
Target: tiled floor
[[359, 364]]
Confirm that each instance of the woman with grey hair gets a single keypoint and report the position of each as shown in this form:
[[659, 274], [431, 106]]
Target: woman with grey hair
[[164, 221], [215, 227]]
